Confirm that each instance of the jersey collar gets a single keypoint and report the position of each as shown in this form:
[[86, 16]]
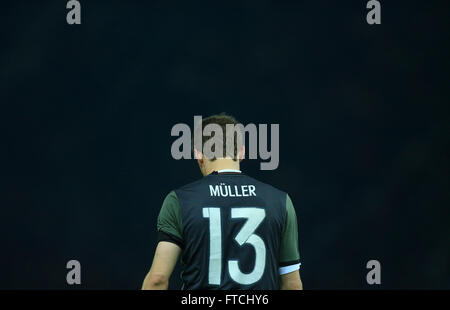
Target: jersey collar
[[229, 171]]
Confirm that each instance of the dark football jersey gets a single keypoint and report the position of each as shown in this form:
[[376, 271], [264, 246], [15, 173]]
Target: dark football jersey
[[235, 232]]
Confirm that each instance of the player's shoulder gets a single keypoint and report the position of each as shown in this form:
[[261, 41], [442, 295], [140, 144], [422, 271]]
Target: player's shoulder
[[267, 186], [190, 186], [273, 197], [191, 190]]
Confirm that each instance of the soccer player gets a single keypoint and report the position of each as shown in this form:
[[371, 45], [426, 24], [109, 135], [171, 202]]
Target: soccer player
[[232, 231]]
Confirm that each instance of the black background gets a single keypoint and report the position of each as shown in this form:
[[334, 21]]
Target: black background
[[87, 110]]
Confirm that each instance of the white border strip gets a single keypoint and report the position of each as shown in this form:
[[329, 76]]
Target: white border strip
[[288, 269], [228, 170]]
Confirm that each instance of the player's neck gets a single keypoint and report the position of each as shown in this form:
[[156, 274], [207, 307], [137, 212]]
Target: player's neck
[[222, 164]]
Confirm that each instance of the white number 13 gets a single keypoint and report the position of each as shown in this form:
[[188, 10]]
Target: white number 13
[[254, 218]]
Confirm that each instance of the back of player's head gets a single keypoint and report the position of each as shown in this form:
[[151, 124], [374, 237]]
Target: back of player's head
[[229, 138]]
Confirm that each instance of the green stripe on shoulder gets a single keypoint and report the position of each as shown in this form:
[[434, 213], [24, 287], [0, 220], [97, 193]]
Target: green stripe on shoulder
[[289, 250], [169, 219]]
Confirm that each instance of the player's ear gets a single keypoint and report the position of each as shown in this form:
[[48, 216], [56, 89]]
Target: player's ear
[[198, 155], [241, 154]]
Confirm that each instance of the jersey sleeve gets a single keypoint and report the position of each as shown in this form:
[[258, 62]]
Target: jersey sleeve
[[169, 222], [289, 250]]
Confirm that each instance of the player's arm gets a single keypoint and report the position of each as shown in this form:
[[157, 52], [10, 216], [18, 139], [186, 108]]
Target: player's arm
[[291, 281], [166, 257], [170, 244], [289, 252]]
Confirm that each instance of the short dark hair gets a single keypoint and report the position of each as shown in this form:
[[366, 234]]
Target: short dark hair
[[222, 120]]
